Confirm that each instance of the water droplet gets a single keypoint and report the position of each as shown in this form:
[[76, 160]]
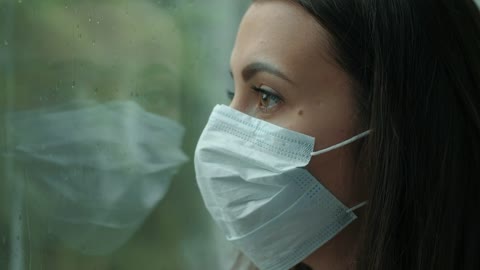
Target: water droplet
[[89, 19], [93, 43], [98, 22], [20, 1], [73, 84], [5, 42]]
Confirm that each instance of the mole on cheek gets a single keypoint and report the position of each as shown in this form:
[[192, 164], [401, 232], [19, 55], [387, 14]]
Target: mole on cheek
[[300, 112]]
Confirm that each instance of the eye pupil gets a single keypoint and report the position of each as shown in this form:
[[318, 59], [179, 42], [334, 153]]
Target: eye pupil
[[265, 99]]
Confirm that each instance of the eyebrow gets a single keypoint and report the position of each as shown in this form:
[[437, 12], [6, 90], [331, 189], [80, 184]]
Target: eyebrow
[[256, 67]]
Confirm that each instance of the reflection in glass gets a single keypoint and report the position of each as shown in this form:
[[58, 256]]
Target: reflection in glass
[[99, 50], [95, 171], [85, 80], [91, 126]]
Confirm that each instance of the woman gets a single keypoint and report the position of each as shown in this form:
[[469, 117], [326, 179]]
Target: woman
[[377, 101]]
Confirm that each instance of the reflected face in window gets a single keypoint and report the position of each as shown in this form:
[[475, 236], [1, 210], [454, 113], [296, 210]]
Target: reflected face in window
[[285, 73], [95, 172], [99, 50]]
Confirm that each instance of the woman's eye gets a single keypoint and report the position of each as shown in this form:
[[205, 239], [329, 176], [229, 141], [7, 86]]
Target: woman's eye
[[230, 94], [267, 100]]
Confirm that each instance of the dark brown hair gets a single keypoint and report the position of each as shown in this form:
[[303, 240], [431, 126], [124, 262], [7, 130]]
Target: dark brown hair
[[417, 66]]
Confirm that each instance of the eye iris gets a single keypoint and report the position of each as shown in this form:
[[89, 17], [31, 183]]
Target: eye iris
[[265, 100]]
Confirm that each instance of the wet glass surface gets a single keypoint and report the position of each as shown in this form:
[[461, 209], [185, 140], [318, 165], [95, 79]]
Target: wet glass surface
[[101, 105]]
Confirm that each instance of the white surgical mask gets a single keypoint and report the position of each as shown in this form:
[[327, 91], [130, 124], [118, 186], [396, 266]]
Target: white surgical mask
[[95, 171], [252, 178]]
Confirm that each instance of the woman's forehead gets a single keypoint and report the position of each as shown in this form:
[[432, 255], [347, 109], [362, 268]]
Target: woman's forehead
[[281, 26], [285, 35]]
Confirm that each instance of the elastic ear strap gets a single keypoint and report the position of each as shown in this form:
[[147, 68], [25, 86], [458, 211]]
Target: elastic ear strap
[[354, 138], [357, 206]]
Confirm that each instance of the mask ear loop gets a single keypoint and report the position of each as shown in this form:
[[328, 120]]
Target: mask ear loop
[[333, 147], [357, 206]]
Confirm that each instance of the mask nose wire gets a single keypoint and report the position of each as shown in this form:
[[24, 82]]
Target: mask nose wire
[[333, 147]]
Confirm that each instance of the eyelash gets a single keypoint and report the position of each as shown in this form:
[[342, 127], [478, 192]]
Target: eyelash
[[264, 95], [231, 94]]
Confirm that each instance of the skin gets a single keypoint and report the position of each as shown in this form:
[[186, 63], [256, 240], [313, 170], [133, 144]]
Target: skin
[[317, 100]]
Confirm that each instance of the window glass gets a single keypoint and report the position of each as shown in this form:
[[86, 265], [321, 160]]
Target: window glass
[[102, 102]]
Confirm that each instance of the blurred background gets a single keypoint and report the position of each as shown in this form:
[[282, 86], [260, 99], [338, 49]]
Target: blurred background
[[101, 105]]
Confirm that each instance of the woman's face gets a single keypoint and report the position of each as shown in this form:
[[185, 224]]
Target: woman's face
[[284, 73]]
